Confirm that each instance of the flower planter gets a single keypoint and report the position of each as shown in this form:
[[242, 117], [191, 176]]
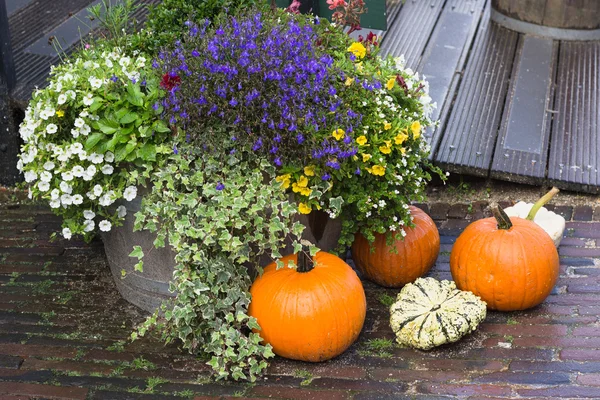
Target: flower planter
[[147, 289]]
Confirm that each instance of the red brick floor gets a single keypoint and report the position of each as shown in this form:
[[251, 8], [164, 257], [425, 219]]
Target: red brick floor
[[61, 321]]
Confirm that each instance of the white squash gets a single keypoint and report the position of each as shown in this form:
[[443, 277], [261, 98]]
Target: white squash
[[429, 313], [552, 223]]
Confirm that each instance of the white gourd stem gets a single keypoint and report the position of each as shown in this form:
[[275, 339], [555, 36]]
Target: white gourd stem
[[541, 202]]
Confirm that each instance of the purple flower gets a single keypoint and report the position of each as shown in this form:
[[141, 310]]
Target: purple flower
[[114, 78], [325, 176], [175, 151], [220, 186], [357, 172], [277, 161]]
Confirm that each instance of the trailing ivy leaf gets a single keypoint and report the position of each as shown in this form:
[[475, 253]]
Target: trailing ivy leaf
[[137, 252], [139, 266]]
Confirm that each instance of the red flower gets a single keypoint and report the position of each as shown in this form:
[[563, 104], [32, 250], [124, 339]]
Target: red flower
[[402, 83], [169, 81], [294, 8]]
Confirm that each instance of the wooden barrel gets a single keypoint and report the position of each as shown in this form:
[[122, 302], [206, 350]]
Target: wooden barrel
[[565, 14]]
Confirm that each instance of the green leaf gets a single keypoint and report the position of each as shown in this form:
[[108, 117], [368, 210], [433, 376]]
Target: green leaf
[[128, 118], [93, 139], [135, 95], [107, 126], [137, 252], [124, 151], [161, 126], [147, 152]]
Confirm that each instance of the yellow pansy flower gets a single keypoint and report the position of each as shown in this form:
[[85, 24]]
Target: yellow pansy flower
[[387, 126], [357, 49], [285, 180], [304, 209], [303, 181], [415, 128], [309, 171], [403, 150], [338, 134], [349, 81], [366, 157], [60, 113], [400, 138], [378, 170], [361, 140], [390, 83]]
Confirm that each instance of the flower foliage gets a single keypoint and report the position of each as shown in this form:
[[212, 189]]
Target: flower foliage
[[217, 230], [253, 83], [94, 118]]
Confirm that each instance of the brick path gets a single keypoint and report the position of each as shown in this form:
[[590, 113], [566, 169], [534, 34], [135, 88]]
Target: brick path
[[61, 323]]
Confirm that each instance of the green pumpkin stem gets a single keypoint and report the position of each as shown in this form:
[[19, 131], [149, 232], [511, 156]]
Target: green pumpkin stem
[[541, 202], [305, 262], [502, 219]]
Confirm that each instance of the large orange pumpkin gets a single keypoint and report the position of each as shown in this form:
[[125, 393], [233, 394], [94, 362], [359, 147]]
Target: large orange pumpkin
[[405, 260], [511, 263], [309, 314]]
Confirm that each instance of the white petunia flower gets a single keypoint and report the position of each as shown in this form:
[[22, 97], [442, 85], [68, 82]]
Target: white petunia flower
[[124, 61], [66, 199], [89, 214], [75, 133], [65, 156], [20, 165], [54, 203], [78, 171], [31, 176], [106, 200], [66, 188], [46, 176], [67, 176], [91, 170], [43, 186], [88, 99], [49, 165], [77, 199], [109, 157], [62, 99], [51, 128], [96, 158], [104, 225], [66, 232], [87, 177], [130, 193], [107, 169], [79, 122], [121, 211], [88, 225], [76, 148], [97, 190], [95, 82], [85, 130]]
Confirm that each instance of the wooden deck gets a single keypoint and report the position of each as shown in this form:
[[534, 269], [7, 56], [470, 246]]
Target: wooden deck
[[511, 106]]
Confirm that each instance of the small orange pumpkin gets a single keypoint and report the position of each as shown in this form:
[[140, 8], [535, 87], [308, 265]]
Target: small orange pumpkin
[[311, 313], [511, 263], [405, 260]]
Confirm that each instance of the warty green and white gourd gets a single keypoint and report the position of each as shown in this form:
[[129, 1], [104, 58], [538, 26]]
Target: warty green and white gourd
[[429, 313]]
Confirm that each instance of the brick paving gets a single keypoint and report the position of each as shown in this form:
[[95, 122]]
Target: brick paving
[[62, 323]]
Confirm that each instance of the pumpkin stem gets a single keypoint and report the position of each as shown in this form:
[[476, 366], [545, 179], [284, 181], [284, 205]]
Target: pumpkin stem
[[541, 202], [305, 262], [501, 217]]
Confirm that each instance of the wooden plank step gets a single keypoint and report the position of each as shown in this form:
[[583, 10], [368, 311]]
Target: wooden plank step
[[469, 137], [575, 145], [522, 149], [446, 53], [409, 33]]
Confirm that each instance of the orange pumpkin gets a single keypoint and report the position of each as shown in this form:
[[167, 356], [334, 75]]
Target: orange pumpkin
[[511, 263], [312, 313], [405, 260]]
